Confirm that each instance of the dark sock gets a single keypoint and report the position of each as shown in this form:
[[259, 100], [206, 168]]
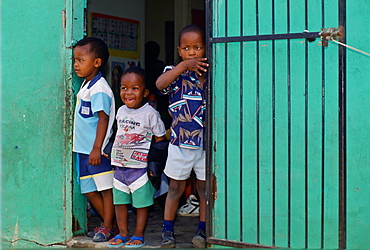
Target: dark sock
[[168, 225], [202, 225]]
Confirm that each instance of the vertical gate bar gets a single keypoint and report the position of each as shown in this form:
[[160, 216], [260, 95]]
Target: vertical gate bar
[[258, 126], [208, 143], [323, 131], [342, 129], [225, 112], [273, 125], [249, 125], [332, 137], [306, 129], [218, 147], [314, 130], [289, 127], [281, 132], [241, 122]]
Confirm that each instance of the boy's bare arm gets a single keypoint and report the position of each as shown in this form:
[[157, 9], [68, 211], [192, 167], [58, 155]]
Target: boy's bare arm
[[158, 138], [195, 64], [101, 130]]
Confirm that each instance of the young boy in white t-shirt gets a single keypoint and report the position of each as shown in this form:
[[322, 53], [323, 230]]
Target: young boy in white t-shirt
[[138, 124]]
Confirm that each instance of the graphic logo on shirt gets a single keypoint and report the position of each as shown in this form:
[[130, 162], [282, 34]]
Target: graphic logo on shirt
[[139, 156], [128, 124], [121, 159], [128, 139], [125, 162], [85, 110], [149, 136]]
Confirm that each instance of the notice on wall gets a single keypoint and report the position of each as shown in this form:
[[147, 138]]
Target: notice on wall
[[121, 35]]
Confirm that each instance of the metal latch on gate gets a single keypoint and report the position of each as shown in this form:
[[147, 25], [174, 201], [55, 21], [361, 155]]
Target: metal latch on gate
[[330, 33]]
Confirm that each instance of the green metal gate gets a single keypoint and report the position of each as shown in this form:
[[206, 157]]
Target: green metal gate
[[277, 138]]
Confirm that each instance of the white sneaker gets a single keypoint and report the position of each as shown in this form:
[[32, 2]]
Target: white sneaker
[[190, 208]]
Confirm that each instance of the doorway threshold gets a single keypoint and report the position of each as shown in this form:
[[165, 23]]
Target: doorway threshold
[[185, 228]]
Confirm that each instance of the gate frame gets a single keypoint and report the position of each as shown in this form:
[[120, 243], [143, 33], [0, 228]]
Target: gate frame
[[342, 128]]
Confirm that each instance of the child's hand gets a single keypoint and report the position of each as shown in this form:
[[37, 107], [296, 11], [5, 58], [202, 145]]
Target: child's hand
[[196, 64], [95, 157], [106, 156]]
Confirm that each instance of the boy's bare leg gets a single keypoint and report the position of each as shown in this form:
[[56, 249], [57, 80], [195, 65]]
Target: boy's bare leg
[[122, 221], [108, 208], [201, 187], [96, 201], [175, 190], [141, 222], [199, 239]]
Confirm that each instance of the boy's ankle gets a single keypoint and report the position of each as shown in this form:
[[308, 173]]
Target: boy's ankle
[[108, 225], [168, 225]]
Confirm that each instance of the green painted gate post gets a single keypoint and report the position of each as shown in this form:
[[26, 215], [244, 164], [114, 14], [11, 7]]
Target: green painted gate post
[[36, 105], [76, 26]]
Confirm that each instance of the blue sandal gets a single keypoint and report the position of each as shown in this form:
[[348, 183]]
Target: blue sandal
[[118, 237], [136, 238]]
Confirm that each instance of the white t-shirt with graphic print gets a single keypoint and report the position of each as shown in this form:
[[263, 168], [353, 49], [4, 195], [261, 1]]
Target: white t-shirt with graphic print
[[135, 129]]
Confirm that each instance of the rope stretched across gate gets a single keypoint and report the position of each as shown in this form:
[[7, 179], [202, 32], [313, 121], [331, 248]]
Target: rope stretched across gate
[[345, 45]]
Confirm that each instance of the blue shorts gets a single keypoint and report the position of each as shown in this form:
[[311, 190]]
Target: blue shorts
[[132, 186], [94, 178], [181, 161]]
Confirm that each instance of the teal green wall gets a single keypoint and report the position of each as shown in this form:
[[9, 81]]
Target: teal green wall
[[36, 122]]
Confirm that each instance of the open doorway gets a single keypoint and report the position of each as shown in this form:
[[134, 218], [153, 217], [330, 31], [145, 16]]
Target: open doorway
[[131, 29], [129, 26]]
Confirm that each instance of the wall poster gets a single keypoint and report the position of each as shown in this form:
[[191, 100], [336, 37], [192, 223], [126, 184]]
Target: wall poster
[[121, 35]]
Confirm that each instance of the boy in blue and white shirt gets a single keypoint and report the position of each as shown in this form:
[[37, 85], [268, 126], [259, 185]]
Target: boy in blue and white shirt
[[94, 117]]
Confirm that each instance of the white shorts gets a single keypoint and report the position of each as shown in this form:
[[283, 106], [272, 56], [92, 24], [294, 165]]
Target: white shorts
[[181, 161]]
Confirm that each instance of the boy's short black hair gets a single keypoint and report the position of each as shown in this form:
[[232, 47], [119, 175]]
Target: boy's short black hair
[[191, 28], [97, 46], [138, 71]]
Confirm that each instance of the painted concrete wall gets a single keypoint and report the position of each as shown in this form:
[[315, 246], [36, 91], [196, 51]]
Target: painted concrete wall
[[36, 142]]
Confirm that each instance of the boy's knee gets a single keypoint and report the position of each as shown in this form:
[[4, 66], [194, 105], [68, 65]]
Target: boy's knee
[[176, 188]]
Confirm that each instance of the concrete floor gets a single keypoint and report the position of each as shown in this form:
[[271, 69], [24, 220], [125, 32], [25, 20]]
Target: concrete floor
[[185, 228]]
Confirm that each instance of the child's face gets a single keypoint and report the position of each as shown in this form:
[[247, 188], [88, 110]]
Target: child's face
[[191, 46], [86, 65], [133, 90]]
